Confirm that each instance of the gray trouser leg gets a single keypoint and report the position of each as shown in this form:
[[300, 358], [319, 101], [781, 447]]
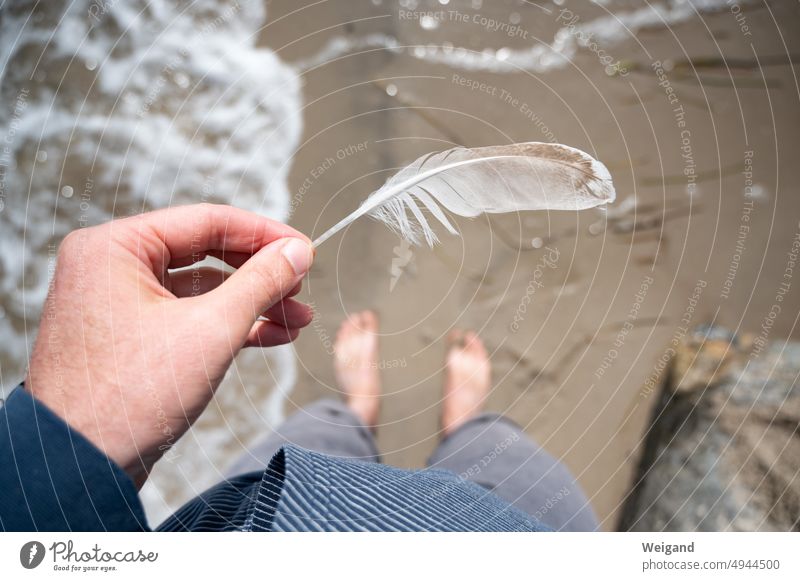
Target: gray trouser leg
[[494, 452], [326, 426]]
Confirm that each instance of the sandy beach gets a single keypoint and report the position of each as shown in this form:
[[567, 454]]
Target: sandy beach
[[694, 107], [604, 295]]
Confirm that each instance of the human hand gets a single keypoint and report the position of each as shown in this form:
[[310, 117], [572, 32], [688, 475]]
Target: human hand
[[129, 353]]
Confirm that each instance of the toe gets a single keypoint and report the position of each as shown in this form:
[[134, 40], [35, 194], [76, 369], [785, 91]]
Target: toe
[[455, 339], [346, 330], [473, 344], [369, 321]]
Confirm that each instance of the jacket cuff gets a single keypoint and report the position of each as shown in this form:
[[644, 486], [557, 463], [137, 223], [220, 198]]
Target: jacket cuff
[[54, 479]]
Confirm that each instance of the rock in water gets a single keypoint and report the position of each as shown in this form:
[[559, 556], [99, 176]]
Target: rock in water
[[724, 449]]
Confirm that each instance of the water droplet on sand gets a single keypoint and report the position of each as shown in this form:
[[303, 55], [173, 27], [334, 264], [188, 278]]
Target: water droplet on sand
[[428, 22], [759, 192]]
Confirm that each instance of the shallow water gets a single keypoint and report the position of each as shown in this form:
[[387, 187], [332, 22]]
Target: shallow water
[[562, 33], [110, 108]]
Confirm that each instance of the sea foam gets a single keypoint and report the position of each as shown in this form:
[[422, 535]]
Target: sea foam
[[114, 107]]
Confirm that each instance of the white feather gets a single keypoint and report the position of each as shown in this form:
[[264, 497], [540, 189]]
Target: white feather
[[469, 182]]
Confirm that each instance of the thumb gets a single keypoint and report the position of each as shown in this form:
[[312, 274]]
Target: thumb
[[261, 282]]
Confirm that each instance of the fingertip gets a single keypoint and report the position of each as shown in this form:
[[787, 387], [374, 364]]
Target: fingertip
[[299, 254], [290, 313], [309, 316], [268, 334], [295, 291]]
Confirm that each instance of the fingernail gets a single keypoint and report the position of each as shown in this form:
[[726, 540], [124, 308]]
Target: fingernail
[[298, 254]]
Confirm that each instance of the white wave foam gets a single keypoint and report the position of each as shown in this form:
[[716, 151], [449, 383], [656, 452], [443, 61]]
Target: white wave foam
[[134, 105], [111, 107], [539, 58]]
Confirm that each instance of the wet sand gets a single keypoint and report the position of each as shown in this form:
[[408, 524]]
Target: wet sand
[[603, 297]]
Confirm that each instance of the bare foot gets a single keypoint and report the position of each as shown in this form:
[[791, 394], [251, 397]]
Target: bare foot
[[468, 379], [356, 365]]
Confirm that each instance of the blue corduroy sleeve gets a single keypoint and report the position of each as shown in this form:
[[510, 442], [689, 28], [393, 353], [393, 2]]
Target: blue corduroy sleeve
[[54, 479]]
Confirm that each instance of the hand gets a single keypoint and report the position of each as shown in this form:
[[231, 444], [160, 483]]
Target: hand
[[129, 353]]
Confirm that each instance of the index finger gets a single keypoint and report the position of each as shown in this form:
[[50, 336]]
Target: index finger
[[185, 234]]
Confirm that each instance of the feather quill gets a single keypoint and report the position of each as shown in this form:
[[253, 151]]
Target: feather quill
[[469, 182]]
